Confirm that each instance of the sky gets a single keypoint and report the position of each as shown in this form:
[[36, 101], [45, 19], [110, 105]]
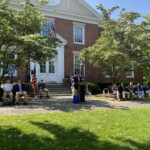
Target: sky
[[140, 6]]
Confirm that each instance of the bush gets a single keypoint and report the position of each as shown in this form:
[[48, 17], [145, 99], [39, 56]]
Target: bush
[[97, 87], [93, 88]]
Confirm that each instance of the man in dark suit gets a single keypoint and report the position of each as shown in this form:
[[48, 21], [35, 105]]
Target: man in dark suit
[[19, 89], [77, 80], [122, 92]]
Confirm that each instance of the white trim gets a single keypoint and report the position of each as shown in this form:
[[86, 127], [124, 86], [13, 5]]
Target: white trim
[[132, 76], [58, 75], [107, 76], [64, 41], [1, 70], [79, 25], [90, 8], [75, 52], [132, 72], [46, 10]]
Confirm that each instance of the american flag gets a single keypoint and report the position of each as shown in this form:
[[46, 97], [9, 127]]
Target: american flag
[[33, 80], [52, 31]]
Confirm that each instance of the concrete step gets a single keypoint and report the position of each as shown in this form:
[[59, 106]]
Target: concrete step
[[59, 89]]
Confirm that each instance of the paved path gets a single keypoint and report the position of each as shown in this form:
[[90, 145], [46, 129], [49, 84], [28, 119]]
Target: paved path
[[64, 103]]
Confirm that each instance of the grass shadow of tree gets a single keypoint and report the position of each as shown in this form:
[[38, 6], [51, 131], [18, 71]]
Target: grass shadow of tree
[[58, 138]]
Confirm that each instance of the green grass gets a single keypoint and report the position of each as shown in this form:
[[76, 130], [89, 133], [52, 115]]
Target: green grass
[[77, 130]]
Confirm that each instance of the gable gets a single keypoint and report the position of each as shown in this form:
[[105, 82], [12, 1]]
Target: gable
[[77, 10], [76, 7]]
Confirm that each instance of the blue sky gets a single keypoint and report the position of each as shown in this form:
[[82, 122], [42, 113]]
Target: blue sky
[[140, 6]]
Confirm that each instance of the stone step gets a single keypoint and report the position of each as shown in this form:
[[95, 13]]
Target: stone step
[[59, 89], [56, 90]]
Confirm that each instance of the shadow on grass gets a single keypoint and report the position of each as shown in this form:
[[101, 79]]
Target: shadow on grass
[[67, 105], [60, 138]]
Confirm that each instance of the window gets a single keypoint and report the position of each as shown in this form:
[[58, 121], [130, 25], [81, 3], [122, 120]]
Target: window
[[43, 67], [130, 74], [5, 71], [51, 67], [77, 67], [46, 28], [79, 33], [108, 71]]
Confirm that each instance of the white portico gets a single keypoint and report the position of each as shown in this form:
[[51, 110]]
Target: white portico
[[52, 70]]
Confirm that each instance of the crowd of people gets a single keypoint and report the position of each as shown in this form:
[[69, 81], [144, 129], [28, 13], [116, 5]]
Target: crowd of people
[[13, 93], [17, 93], [130, 91]]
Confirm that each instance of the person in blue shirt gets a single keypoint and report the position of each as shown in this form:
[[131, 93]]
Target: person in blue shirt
[[42, 88]]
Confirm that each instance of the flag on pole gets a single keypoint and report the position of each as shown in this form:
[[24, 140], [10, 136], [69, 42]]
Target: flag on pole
[[52, 31], [33, 80]]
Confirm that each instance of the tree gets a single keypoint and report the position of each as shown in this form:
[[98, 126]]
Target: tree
[[121, 45], [146, 69], [20, 36]]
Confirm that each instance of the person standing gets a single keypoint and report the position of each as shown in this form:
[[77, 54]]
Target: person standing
[[19, 89], [77, 79], [7, 88]]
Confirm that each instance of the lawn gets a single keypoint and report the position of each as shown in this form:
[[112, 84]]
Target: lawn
[[105, 129]]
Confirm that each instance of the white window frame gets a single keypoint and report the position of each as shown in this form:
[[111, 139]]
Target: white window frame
[[132, 73], [42, 66], [53, 63], [79, 25], [1, 70], [47, 31], [76, 54], [107, 75]]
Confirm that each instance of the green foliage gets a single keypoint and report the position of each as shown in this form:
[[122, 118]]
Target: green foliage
[[93, 87], [121, 45], [20, 35], [146, 77]]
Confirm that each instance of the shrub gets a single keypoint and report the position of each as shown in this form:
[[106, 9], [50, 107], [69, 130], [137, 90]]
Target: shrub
[[93, 87]]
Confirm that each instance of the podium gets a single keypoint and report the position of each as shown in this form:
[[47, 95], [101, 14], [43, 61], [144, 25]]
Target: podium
[[82, 91]]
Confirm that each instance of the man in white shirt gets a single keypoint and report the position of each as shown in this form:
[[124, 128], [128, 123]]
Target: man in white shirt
[[8, 95]]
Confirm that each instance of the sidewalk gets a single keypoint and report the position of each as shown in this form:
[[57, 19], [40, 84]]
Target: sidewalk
[[64, 103]]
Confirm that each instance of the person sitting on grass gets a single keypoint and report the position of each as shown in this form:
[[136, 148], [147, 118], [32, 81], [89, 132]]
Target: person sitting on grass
[[42, 88]]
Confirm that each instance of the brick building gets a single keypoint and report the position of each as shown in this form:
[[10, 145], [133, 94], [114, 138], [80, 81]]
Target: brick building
[[78, 26]]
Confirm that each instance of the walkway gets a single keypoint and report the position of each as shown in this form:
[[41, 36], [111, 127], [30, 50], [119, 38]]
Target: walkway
[[64, 103]]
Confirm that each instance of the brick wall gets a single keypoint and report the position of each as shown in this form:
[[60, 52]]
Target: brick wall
[[65, 29]]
